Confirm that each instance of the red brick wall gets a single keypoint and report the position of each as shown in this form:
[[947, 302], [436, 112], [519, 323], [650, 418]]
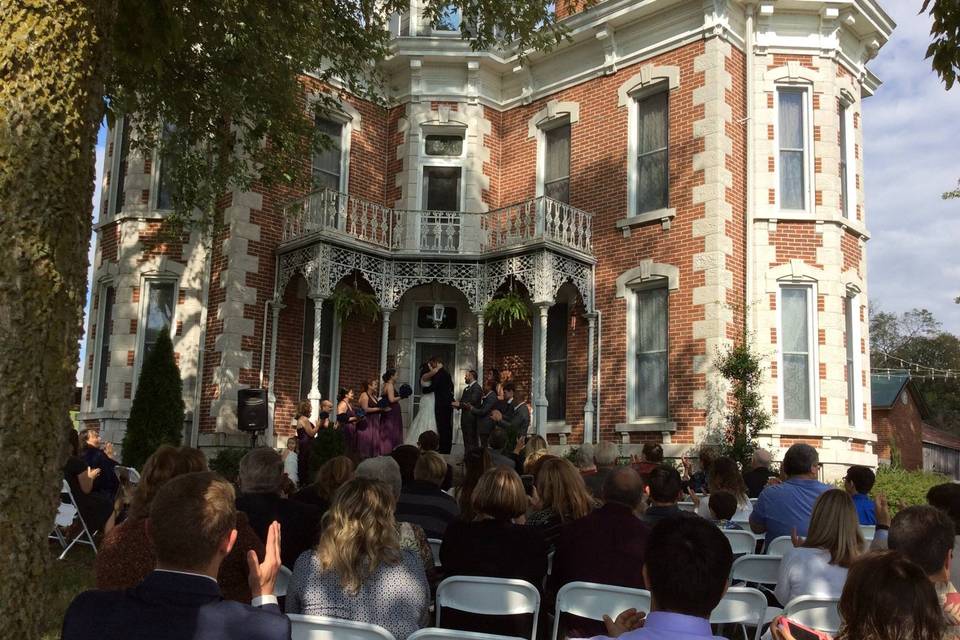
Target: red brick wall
[[359, 352], [109, 242], [852, 255], [289, 345], [796, 240], [901, 426]]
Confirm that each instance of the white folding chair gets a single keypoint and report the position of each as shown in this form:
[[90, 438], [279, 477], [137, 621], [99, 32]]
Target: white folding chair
[[757, 569], [283, 582], [779, 546], [687, 506], [435, 549], [433, 633], [817, 613], [868, 531], [593, 601], [741, 542], [67, 513], [133, 476], [744, 606], [489, 596], [324, 628], [550, 563]]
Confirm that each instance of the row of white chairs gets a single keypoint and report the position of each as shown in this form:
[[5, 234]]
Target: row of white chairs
[[744, 606]]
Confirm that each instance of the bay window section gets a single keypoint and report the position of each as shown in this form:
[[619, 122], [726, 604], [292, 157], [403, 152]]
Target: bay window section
[[158, 315], [796, 345], [105, 331], [651, 381], [793, 153], [845, 208], [167, 165], [121, 150], [852, 373], [652, 168], [556, 365]]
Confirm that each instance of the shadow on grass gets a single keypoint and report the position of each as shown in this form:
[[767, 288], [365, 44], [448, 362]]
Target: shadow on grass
[[66, 579]]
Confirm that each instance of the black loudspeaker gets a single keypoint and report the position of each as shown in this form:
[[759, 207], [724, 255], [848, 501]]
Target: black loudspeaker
[[252, 410]]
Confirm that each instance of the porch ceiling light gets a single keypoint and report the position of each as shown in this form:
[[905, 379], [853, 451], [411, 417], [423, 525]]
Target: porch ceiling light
[[438, 314]]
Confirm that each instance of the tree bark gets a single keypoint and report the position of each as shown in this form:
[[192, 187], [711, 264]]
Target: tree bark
[[51, 103]]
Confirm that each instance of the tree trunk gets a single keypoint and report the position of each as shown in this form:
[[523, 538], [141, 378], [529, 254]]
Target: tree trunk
[[51, 104]]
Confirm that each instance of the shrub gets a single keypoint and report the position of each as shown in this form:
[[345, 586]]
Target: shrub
[[746, 416], [906, 487], [157, 414], [328, 444], [227, 462]]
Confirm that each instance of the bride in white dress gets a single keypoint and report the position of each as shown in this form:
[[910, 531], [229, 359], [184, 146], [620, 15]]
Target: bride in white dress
[[426, 418]]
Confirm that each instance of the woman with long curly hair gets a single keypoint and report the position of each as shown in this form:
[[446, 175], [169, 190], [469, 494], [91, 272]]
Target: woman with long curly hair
[[358, 570], [559, 496]]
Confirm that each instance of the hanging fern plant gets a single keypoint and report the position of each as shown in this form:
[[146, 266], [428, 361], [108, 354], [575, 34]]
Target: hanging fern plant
[[502, 312], [350, 302]]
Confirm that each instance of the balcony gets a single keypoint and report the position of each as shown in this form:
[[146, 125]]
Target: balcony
[[537, 221]]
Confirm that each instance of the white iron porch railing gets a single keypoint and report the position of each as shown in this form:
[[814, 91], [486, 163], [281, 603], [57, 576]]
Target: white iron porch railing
[[535, 220]]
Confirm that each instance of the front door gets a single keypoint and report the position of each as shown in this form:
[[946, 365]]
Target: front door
[[446, 351]]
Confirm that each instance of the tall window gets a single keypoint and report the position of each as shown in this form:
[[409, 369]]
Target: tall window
[[849, 313], [442, 184], [844, 162], [651, 383], [796, 346], [122, 150], [556, 381], [158, 315], [164, 191], [653, 183], [105, 326], [792, 119], [326, 348], [556, 165], [328, 163]]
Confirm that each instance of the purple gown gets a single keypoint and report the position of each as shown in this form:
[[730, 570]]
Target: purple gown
[[367, 435], [391, 429]]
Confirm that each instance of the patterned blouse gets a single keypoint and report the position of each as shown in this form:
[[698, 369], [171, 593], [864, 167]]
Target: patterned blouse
[[394, 596]]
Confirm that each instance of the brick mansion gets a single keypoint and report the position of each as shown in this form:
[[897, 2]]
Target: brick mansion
[[676, 174]]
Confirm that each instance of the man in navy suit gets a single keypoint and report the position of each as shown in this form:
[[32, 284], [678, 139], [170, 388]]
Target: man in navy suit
[[192, 527]]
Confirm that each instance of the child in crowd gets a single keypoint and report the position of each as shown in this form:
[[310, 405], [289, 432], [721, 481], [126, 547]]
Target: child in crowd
[[290, 464], [858, 483], [723, 506]]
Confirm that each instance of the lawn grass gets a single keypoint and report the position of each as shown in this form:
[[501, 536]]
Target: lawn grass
[[66, 579]]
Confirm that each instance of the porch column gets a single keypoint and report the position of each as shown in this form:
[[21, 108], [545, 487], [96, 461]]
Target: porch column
[[384, 338], [271, 389], [314, 395], [480, 328], [588, 409], [540, 374]]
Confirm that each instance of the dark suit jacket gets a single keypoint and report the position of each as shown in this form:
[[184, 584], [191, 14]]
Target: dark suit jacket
[[516, 417], [442, 386], [170, 606], [299, 522], [472, 394], [107, 482], [494, 548], [484, 421]]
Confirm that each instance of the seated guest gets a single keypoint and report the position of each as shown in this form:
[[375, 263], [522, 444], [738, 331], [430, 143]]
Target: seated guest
[[358, 570], [559, 496], [723, 507], [333, 473], [818, 566], [788, 505], [261, 477], [96, 457], [529, 451], [406, 456], [725, 476], [585, 460], [886, 597], [858, 483], [430, 441], [495, 445], [756, 478], [422, 502], [412, 537], [663, 489], [127, 556], [495, 542], [651, 458], [95, 508], [605, 459], [924, 535], [606, 546], [475, 463], [698, 480], [946, 497], [191, 525], [685, 569]]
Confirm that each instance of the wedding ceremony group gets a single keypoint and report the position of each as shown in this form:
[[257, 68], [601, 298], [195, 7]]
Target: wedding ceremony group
[[460, 320]]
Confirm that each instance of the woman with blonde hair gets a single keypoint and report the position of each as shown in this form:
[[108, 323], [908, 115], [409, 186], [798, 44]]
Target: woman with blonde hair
[[331, 476], [559, 496], [495, 542], [358, 570], [818, 565]]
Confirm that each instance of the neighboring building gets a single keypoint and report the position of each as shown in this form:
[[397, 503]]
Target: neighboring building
[[903, 435], [641, 185]]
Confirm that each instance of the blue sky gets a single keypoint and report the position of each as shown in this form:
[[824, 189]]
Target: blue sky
[[911, 132]]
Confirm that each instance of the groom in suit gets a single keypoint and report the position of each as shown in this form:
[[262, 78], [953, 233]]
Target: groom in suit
[[192, 526], [471, 395], [442, 385]]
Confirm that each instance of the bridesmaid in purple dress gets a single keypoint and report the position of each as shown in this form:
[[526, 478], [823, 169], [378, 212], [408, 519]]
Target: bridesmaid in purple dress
[[368, 439], [391, 422], [347, 418]]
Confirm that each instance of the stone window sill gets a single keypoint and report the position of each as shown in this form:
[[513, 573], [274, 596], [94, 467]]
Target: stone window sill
[[655, 424], [556, 426], [663, 216]]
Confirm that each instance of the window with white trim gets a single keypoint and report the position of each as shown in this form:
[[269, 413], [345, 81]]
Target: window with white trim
[[441, 191], [118, 176], [102, 349], [796, 348], [556, 365], [846, 184], [327, 165], [852, 370], [650, 382], [158, 313], [792, 131], [652, 161], [167, 164], [326, 349], [556, 162]]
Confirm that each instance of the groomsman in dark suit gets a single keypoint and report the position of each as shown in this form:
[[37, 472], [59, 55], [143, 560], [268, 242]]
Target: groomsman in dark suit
[[486, 413], [472, 394], [515, 416]]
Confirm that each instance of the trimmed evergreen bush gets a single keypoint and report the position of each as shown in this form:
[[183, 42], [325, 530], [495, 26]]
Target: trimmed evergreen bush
[[157, 414], [227, 462], [328, 444]]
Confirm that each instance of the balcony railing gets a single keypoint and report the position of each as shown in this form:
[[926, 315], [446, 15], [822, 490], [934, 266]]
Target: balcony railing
[[535, 220]]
